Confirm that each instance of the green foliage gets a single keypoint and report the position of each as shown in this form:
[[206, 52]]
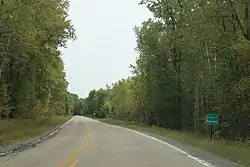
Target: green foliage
[[4, 102], [32, 77], [107, 110]]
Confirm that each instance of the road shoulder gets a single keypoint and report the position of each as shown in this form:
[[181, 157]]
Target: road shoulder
[[31, 142], [195, 152]]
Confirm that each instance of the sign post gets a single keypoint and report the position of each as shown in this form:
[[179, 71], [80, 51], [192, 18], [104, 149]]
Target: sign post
[[212, 119]]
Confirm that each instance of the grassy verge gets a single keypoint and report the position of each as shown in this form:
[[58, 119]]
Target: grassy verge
[[236, 152], [19, 130]]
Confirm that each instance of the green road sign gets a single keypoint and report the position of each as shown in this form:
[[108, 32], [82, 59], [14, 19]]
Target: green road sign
[[212, 119]]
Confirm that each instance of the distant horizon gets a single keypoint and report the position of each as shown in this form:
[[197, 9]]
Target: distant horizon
[[105, 45]]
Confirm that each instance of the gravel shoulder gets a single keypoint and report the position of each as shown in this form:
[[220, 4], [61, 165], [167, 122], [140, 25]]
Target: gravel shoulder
[[31, 142], [196, 152]]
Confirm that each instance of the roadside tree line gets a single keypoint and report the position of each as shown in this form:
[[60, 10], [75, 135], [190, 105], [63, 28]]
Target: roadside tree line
[[193, 59], [32, 77]]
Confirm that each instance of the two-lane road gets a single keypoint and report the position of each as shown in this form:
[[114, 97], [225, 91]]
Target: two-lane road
[[87, 143]]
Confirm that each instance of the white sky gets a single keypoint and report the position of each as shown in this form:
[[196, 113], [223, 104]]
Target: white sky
[[105, 45]]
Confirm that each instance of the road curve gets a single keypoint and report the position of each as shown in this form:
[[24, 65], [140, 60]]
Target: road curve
[[87, 143]]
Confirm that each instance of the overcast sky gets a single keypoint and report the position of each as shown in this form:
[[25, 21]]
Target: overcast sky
[[105, 45]]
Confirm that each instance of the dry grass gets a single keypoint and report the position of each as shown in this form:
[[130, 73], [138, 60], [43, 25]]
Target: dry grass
[[18, 130]]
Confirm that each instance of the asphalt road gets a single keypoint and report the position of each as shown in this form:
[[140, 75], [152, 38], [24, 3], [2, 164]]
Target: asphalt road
[[88, 143]]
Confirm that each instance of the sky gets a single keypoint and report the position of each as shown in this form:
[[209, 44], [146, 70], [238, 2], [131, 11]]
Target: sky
[[105, 44]]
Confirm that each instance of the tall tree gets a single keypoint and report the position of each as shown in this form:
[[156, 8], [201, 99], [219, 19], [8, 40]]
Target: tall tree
[[32, 77]]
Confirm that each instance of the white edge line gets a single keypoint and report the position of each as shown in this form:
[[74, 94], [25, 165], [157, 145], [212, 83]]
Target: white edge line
[[61, 127], [203, 162]]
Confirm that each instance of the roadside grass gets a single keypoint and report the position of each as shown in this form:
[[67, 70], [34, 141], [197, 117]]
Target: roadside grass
[[236, 152], [19, 130]]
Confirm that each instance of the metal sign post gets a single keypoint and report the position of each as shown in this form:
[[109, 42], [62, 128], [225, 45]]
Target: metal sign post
[[212, 119]]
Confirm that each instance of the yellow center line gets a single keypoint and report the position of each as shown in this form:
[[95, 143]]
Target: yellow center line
[[73, 164], [73, 155], [69, 159], [86, 144]]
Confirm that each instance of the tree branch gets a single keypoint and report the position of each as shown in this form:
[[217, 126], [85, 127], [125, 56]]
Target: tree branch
[[236, 17]]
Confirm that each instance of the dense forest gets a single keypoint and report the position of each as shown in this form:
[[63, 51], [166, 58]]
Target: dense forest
[[193, 59], [32, 77]]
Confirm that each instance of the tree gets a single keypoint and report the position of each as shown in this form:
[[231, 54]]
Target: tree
[[32, 77]]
